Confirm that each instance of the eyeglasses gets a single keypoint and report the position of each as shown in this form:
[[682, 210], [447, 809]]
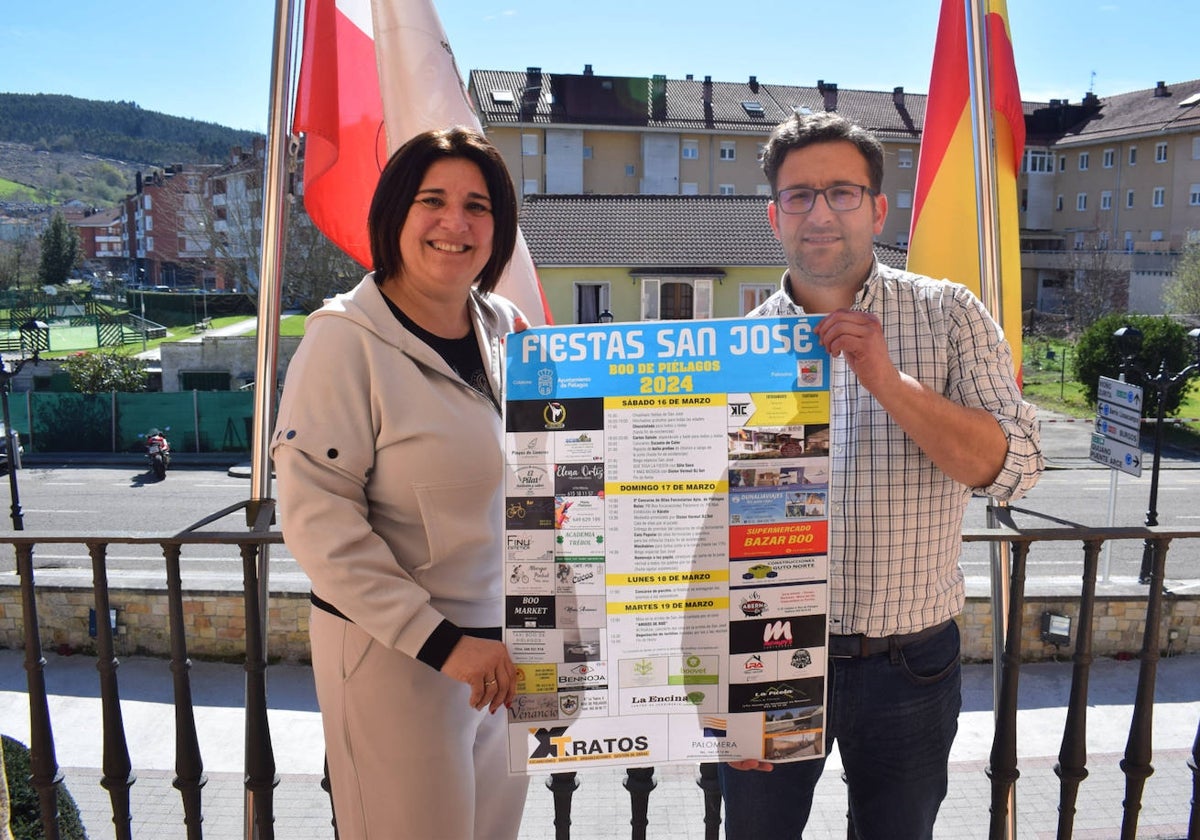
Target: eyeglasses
[[841, 198]]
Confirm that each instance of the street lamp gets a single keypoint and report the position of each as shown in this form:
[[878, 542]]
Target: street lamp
[[605, 317], [1129, 341], [6, 376]]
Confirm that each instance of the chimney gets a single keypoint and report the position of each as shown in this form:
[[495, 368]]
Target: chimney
[[658, 98], [531, 93], [688, 77], [754, 84], [587, 69], [829, 93], [706, 98], [898, 98], [1161, 90], [1091, 101], [235, 154]]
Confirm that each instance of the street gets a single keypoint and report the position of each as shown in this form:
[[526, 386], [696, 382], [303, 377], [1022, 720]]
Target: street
[[126, 500]]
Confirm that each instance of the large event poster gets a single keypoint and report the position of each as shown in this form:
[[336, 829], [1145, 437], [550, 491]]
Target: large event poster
[[666, 542]]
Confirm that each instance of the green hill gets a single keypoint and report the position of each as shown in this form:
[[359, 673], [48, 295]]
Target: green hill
[[120, 131]]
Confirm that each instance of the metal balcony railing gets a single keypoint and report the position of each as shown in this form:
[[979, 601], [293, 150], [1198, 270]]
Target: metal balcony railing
[[260, 770]]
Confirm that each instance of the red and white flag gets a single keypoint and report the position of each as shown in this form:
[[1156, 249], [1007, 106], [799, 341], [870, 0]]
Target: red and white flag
[[373, 74]]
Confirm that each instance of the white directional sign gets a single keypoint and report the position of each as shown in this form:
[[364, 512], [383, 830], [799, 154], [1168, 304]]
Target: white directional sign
[[1118, 431], [1119, 456], [1115, 413], [1119, 393], [1118, 435]]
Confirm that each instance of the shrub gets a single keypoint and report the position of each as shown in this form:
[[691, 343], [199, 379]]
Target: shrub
[[1163, 341], [26, 816]]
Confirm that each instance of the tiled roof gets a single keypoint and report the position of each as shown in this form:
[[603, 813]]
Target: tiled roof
[[1139, 112], [590, 99], [656, 231], [582, 99]]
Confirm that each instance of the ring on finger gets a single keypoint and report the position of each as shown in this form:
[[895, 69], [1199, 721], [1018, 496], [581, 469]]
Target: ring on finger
[[486, 683]]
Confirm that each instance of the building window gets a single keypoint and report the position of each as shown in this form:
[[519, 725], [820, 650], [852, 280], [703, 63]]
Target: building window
[[590, 300], [728, 150], [1133, 155], [1062, 164], [726, 189], [1102, 240], [689, 188], [1109, 156], [904, 199], [587, 152], [1156, 236], [1129, 240], [691, 149], [529, 186], [1160, 152], [1084, 157], [760, 152], [1038, 160], [1128, 198], [1194, 195], [1196, 148], [1106, 200], [529, 145], [762, 189], [904, 158], [1058, 204], [1081, 201], [630, 170], [1160, 197], [1079, 238], [752, 294]]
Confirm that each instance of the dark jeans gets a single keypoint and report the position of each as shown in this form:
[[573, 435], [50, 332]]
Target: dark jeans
[[894, 718]]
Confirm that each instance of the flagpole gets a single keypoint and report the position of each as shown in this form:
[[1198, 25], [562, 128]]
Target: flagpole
[[983, 134], [259, 757]]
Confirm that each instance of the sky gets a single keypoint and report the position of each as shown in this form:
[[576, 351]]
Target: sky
[[211, 59]]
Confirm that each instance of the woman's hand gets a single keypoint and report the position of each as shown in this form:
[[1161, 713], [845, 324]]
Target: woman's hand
[[487, 668]]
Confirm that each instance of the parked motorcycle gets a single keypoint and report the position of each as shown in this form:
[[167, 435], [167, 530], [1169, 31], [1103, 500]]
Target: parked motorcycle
[[158, 453]]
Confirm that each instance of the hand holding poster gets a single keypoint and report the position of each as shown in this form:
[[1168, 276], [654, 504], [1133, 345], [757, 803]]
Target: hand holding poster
[[667, 497]]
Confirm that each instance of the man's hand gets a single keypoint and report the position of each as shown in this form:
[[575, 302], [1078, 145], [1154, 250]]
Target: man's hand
[[486, 666], [752, 764], [858, 336]]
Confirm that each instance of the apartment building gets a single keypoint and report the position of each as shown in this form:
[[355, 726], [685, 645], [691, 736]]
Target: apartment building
[[593, 134], [1112, 181], [166, 227], [1118, 176]]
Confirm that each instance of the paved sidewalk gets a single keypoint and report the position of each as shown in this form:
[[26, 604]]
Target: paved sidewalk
[[601, 805]]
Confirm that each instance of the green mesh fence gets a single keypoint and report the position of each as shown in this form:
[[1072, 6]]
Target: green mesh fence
[[199, 421]]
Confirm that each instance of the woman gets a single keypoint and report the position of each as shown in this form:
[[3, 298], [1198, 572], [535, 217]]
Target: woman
[[390, 463]]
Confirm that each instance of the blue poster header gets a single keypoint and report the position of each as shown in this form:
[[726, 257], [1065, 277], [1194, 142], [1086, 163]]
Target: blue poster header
[[666, 357]]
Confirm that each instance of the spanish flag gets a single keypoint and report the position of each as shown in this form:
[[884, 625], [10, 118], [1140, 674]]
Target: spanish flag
[[374, 73], [944, 239]]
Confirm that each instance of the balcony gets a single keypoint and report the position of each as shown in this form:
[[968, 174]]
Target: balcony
[[1136, 793]]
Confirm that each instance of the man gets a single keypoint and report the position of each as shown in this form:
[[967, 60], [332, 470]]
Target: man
[[926, 411]]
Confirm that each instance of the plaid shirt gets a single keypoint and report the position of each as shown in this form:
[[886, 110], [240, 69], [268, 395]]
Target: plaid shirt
[[895, 518]]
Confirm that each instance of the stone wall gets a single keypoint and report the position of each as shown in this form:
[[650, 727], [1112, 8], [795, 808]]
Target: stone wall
[[215, 624]]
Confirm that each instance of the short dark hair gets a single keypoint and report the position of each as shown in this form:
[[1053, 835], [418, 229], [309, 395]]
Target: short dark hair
[[402, 177], [800, 130]]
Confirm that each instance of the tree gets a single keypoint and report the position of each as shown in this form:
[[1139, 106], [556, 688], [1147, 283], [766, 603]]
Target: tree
[[1096, 283], [104, 371], [1182, 292], [60, 252], [1164, 341], [18, 260]]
